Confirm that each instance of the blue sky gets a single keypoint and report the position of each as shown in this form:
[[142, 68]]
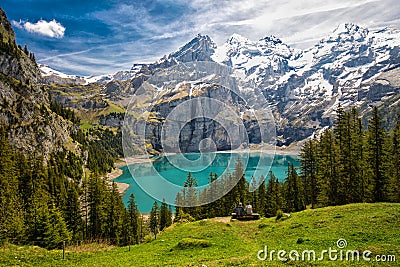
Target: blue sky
[[96, 37]]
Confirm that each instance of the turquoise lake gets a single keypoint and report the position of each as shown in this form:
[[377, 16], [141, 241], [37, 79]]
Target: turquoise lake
[[148, 175]]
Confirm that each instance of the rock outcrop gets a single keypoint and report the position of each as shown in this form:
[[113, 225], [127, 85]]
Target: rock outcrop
[[24, 104]]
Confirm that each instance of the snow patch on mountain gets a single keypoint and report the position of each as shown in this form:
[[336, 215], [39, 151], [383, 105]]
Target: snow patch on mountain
[[54, 76], [47, 71]]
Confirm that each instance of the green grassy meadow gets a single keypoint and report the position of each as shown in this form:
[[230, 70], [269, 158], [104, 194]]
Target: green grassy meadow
[[221, 242]]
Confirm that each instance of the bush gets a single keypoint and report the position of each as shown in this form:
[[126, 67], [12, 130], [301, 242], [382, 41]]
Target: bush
[[148, 238], [185, 217], [262, 225], [187, 243], [279, 214]]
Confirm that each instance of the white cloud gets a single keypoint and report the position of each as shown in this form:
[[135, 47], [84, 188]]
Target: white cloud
[[51, 28], [299, 23]]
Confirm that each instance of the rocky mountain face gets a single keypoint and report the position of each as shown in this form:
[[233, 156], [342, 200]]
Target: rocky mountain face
[[24, 104], [213, 123], [306, 87], [351, 67]]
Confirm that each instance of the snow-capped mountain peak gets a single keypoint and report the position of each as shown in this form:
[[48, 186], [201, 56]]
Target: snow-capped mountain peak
[[199, 48], [254, 58], [348, 28], [348, 32], [271, 39], [237, 39]]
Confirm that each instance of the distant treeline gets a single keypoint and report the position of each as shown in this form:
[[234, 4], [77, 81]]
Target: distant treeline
[[66, 113], [103, 147], [349, 164], [267, 199]]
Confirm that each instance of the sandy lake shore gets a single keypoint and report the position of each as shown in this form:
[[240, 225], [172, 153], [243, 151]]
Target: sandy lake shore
[[122, 187]]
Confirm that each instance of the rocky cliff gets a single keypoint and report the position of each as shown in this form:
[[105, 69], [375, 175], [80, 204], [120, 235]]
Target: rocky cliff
[[24, 104]]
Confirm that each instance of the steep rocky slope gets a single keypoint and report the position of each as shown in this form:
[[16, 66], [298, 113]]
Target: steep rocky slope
[[24, 104]]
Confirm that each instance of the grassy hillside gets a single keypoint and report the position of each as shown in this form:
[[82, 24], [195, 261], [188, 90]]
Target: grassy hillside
[[219, 242]]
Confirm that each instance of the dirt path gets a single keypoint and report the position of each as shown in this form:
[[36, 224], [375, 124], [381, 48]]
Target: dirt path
[[221, 219]]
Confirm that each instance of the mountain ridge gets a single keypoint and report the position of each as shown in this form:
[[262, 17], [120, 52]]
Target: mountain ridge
[[303, 87]]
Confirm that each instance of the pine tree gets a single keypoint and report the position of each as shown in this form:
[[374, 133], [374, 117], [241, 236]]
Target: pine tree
[[376, 155], [274, 196], [133, 214], [97, 202], [73, 215], [327, 170], [390, 185], [342, 134], [56, 179], [190, 198], [262, 198], [142, 228], [115, 211], [25, 179], [169, 218], [308, 170], [357, 157], [190, 195], [271, 202], [163, 216], [56, 230], [211, 209], [239, 189], [242, 186], [120, 215], [178, 207], [11, 214], [293, 191], [153, 224], [37, 210], [395, 152], [254, 193], [126, 231], [280, 203]]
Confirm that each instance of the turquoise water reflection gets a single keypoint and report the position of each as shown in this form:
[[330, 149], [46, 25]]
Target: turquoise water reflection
[[146, 174]]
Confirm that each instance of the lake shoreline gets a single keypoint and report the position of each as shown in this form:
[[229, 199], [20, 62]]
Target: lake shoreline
[[117, 172], [122, 162]]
